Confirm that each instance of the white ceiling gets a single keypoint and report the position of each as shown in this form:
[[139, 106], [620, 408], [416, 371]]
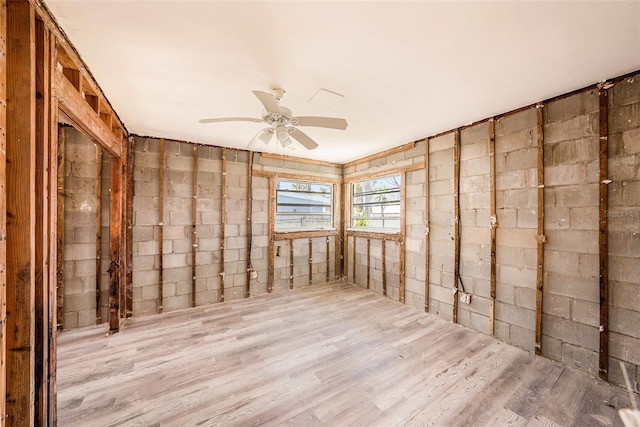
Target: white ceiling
[[407, 70]]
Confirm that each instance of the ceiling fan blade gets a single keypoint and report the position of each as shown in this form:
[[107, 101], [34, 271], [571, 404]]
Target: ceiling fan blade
[[303, 139], [231, 119], [321, 122], [269, 102]]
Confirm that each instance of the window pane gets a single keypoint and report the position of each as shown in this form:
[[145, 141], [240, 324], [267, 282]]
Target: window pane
[[303, 205], [375, 203]]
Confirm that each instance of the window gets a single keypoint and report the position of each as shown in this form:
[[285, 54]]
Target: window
[[375, 203], [303, 205]]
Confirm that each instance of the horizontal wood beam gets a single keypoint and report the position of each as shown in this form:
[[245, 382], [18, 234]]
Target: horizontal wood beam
[[298, 177], [300, 160], [304, 234], [390, 171], [374, 235], [385, 153], [83, 116]]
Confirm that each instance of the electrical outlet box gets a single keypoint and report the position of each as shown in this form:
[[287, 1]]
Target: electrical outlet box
[[254, 274], [465, 298]]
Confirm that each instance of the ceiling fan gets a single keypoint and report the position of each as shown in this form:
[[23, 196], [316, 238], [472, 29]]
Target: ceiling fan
[[281, 122]]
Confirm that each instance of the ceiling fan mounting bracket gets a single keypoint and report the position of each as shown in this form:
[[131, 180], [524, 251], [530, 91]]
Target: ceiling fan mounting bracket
[[278, 93]]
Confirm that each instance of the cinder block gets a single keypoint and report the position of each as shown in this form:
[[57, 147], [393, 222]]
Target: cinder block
[[557, 218], [580, 358], [520, 198], [525, 297], [624, 322], [522, 337], [575, 128], [551, 347], [565, 174], [556, 305], [514, 315], [586, 312], [571, 332], [582, 241], [624, 347], [625, 295], [579, 104], [572, 286], [521, 159], [524, 119]]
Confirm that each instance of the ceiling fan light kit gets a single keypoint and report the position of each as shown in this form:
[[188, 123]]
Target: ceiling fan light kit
[[282, 123]]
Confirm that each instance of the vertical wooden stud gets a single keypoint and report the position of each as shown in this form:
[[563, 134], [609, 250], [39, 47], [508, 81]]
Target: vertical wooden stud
[[368, 263], [494, 223], [456, 219], [327, 260], [384, 267], [161, 227], [603, 240], [540, 236], [42, 269], [247, 291], [194, 220], [3, 212], [338, 223], [344, 238], [272, 246], [115, 216], [128, 226], [355, 253], [403, 230], [290, 263], [223, 221], [98, 193], [426, 227], [310, 261], [20, 211], [345, 258], [60, 202]]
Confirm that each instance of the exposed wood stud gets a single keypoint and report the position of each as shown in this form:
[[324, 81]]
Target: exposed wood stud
[[303, 234], [540, 236], [98, 193], [20, 211], [93, 101], [310, 261], [603, 240], [328, 267], [384, 267], [374, 235], [402, 252], [272, 247], [161, 226], [129, 144], [344, 239], [62, 138], [426, 227], [122, 291], [290, 263], [53, 221], [493, 223], [107, 119], [74, 77], [194, 220], [115, 214], [355, 252], [223, 221], [368, 263], [338, 223], [456, 219], [247, 291], [83, 117], [42, 194]]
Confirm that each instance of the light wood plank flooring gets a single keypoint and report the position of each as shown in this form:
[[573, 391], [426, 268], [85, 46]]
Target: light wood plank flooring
[[332, 354]]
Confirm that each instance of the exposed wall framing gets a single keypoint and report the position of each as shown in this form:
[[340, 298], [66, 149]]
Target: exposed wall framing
[[403, 230], [368, 263], [384, 267], [98, 192], [603, 235], [60, 202], [223, 220], [540, 236], [271, 232], [128, 228], [493, 223], [310, 261], [456, 219], [291, 264], [247, 290], [427, 230], [161, 169], [328, 267], [114, 244], [194, 219]]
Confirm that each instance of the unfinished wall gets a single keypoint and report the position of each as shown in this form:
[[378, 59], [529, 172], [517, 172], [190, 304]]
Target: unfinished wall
[[178, 249], [81, 251], [570, 308], [624, 229]]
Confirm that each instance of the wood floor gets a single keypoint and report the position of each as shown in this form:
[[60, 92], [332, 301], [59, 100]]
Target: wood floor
[[333, 354]]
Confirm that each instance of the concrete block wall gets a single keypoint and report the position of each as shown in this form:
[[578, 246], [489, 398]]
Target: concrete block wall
[[414, 183], [571, 307], [441, 226], [516, 166], [624, 230], [475, 232], [81, 204], [570, 310], [281, 262]]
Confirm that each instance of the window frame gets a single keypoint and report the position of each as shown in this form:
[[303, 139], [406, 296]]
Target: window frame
[[396, 201], [330, 208]]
